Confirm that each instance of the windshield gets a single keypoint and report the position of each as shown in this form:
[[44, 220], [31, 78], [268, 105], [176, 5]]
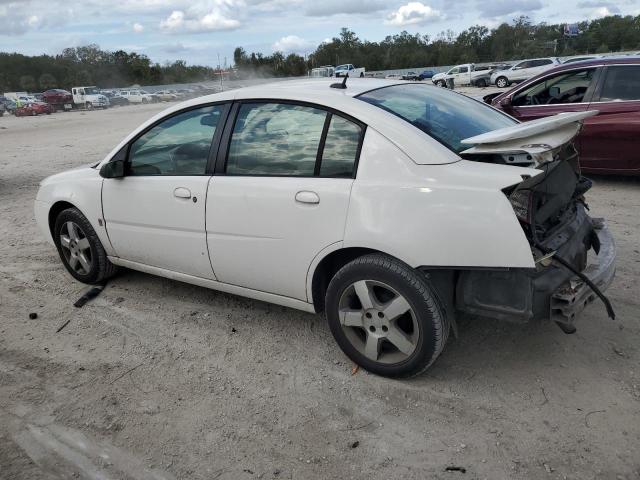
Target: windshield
[[446, 116]]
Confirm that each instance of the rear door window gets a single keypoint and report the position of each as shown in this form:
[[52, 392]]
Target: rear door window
[[290, 140], [621, 83]]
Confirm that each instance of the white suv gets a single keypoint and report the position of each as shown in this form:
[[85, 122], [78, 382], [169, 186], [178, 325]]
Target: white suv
[[136, 96], [368, 203], [522, 71]]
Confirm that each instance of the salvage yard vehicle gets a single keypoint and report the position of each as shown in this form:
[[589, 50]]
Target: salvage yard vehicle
[[348, 70], [89, 98], [465, 74], [166, 96], [389, 206], [136, 96], [25, 110], [115, 99], [59, 99], [8, 105], [608, 142], [522, 71]]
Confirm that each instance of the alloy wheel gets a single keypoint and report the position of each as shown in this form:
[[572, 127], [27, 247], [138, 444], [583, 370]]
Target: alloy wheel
[[378, 321], [75, 248]]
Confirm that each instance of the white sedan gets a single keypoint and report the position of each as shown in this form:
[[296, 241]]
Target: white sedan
[[390, 206]]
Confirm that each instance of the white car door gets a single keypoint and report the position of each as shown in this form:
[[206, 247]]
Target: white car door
[[155, 214], [520, 71], [281, 195]]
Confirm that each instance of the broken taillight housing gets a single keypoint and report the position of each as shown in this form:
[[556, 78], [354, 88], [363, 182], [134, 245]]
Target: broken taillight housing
[[522, 202]]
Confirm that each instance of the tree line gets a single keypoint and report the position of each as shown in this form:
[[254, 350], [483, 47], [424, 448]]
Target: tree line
[[509, 41], [89, 65]]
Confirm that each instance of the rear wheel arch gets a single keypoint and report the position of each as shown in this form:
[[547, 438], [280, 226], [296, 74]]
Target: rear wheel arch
[[328, 267]]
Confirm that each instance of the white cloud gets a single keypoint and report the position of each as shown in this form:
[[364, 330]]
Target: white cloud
[[180, 22], [413, 13], [603, 12], [138, 28], [291, 43]]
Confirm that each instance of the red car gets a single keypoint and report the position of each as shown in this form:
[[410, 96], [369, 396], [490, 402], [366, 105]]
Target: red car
[[610, 141], [33, 108], [58, 98]]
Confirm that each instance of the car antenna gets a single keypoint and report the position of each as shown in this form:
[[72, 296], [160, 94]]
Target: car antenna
[[342, 85]]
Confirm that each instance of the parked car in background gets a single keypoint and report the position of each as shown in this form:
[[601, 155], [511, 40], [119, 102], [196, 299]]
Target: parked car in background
[[115, 99], [348, 69], [14, 95], [42, 108], [9, 105], [465, 74], [426, 74], [608, 142], [522, 71], [89, 98], [136, 96], [410, 76], [59, 99], [25, 110], [305, 193], [393, 76], [166, 96]]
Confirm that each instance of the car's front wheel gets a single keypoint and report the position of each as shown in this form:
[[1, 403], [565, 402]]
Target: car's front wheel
[[441, 83], [385, 316], [80, 248], [502, 82]]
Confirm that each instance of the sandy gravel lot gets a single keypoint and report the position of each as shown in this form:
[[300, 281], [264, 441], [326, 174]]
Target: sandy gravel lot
[[157, 379]]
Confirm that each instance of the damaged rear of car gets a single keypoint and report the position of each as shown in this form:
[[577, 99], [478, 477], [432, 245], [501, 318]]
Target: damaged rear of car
[[573, 254]]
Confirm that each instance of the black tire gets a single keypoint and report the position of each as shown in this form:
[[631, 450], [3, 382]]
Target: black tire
[[502, 82], [101, 268], [430, 316], [481, 83], [89, 106]]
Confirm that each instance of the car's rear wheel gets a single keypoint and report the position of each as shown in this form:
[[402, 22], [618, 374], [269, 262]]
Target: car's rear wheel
[[502, 82], [80, 248], [481, 83], [89, 106], [385, 316]]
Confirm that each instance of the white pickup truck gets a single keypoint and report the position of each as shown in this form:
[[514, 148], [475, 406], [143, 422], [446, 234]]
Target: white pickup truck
[[348, 70], [89, 98], [465, 74]]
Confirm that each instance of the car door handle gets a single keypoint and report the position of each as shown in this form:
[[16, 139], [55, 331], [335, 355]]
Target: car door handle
[[306, 196], [182, 192]]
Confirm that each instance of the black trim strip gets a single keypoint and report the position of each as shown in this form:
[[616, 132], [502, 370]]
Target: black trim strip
[[323, 139]]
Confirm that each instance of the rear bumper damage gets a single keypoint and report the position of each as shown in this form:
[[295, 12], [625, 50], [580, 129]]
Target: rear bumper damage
[[550, 291]]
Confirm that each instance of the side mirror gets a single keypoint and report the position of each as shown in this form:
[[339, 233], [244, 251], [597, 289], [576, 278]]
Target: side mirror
[[113, 169]]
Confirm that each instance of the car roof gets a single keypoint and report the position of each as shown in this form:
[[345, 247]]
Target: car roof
[[611, 60]]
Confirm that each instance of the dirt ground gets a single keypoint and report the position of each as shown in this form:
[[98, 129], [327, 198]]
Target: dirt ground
[[156, 379]]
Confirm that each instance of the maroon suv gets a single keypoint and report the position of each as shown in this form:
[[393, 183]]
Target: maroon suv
[[59, 99], [610, 141]]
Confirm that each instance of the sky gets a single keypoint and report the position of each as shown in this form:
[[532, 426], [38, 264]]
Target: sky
[[199, 30]]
